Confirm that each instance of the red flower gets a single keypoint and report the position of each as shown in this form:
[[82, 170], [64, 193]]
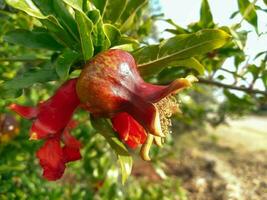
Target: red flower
[[53, 157], [129, 130], [110, 86], [52, 122]]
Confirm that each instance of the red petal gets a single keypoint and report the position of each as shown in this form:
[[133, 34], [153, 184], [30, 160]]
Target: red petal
[[24, 111], [71, 150], [70, 141], [71, 154], [51, 159], [129, 130], [56, 112]]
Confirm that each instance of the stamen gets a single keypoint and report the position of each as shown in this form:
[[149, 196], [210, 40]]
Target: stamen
[[167, 107], [144, 152]]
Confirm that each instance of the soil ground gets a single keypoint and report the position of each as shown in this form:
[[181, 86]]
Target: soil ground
[[228, 163]]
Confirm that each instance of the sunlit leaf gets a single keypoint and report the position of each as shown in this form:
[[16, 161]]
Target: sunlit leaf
[[77, 4], [32, 39], [49, 20], [112, 33], [264, 78], [85, 27], [99, 37], [26, 6], [113, 10], [179, 47], [129, 13], [248, 12], [178, 29], [206, 19]]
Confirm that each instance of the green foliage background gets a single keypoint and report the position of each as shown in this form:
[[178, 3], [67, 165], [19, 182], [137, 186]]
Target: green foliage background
[[44, 43]]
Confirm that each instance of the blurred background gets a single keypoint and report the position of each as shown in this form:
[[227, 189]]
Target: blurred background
[[218, 146]]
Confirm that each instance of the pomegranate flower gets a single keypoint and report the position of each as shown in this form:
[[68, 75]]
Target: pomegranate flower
[[52, 122], [111, 87]]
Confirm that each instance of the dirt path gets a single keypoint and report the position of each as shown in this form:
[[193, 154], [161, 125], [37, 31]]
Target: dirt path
[[228, 163], [238, 154]]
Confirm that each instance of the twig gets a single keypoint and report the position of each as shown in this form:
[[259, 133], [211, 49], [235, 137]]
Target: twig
[[222, 85]]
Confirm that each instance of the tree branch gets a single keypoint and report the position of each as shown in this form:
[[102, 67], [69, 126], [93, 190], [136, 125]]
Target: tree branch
[[222, 85]]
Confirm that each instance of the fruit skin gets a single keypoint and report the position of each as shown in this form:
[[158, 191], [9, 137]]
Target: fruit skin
[[106, 82], [110, 84]]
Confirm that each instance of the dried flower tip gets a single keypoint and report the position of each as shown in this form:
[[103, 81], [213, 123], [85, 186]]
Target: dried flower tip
[[167, 107]]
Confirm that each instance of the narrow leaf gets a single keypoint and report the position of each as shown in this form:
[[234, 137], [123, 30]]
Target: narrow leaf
[[26, 6], [49, 20], [112, 33], [100, 4], [180, 47], [129, 13], [85, 27], [124, 158], [12, 88], [190, 63], [206, 19], [64, 62], [32, 39], [248, 12], [113, 10], [77, 4], [66, 19]]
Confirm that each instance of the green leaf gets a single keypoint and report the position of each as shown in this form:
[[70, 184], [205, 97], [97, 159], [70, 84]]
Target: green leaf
[[124, 158], [248, 12], [190, 63], [60, 35], [100, 4], [99, 37], [56, 30], [64, 62], [206, 19], [113, 34], [113, 10], [45, 6], [264, 78], [180, 47], [66, 19], [32, 39], [178, 29], [85, 27], [26, 6], [129, 13], [12, 88], [254, 70], [77, 4], [265, 1]]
